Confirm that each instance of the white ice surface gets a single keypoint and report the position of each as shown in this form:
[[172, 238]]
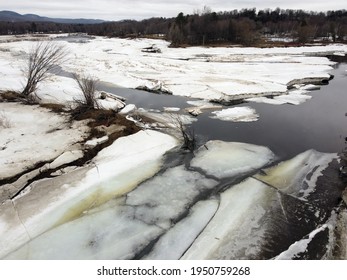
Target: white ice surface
[[55, 201], [236, 114], [226, 159], [162, 199], [129, 108], [173, 244], [236, 229], [95, 141], [207, 73], [111, 233], [129, 222]]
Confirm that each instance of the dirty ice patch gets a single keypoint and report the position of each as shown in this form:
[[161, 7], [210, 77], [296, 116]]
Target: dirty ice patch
[[164, 198], [226, 159], [298, 176], [110, 233], [58, 200], [173, 244], [237, 114]]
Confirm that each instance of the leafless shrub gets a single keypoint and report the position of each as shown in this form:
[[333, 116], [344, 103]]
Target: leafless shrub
[[188, 135], [4, 120], [44, 59], [87, 85]]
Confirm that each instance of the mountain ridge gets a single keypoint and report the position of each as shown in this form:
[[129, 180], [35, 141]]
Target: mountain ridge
[[11, 16]]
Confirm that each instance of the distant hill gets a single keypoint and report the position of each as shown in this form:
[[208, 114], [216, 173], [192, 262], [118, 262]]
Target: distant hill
[[10, 16]]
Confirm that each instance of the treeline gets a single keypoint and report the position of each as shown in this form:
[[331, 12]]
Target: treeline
[[246, 26]]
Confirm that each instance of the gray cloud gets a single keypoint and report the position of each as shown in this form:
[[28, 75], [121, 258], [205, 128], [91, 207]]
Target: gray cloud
[[139, 9]]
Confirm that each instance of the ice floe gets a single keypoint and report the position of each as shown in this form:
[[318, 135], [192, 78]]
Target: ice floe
[[236, 114], [164, 198], [236, 231], [85, 188], [173, 244], [226, 159]]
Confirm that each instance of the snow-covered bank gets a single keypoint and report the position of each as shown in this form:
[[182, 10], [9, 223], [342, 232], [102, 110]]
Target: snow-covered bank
[[35, 135], [222, 74]]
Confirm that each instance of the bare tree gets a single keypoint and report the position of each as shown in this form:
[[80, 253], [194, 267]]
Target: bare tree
[[44, 59], [87, 85]]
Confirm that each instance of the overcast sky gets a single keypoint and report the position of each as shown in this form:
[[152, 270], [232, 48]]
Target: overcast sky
[[140, 9]]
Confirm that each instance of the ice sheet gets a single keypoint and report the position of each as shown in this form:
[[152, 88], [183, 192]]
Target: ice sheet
[[173, 244], [237, 114], [227, 159], [236, 230]]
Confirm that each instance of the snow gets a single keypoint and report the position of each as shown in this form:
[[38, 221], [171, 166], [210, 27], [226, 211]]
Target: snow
[[237, 114], [225, 74], [64, 158], [49, 135], [227, 159], [95, 142]]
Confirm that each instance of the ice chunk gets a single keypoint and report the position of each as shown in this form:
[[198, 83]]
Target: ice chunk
[[237, 114], [299, 175], [129, 108], [171, 109], [55, 201], [236, 231], [164, 198], [106, 234], [295, 98], [95, 142], [177, 240], [226, 159]]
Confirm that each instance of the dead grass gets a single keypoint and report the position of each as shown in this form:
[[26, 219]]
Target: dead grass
[[4, 120], [56, 108], [10, 96], [99, 117]]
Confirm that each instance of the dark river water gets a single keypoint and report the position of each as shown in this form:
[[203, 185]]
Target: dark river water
[[320, 123]]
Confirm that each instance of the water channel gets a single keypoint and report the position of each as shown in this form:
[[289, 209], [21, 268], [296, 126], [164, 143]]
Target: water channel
[[319, 123]]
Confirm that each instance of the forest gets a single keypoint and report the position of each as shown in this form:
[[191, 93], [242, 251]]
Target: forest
[[247, 27]]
